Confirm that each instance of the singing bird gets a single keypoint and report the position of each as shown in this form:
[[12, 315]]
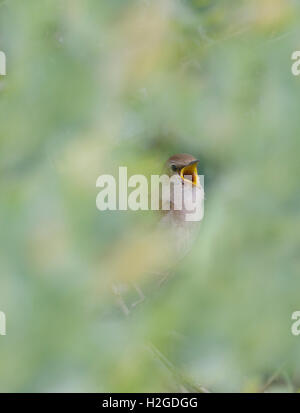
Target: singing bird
[[181, 210], [186, 208]]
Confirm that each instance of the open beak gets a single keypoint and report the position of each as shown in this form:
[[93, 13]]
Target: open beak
[[190, 174]]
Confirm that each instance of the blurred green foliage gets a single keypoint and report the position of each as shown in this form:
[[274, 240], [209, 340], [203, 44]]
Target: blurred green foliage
[[93, 85]]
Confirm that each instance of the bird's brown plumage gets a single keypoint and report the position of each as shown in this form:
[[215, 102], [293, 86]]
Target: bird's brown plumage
[[178, 161]]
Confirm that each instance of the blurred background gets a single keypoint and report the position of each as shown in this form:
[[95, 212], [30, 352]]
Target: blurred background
[[93, 85]]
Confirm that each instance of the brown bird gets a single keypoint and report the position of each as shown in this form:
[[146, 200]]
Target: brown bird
[[182, 222], [182, 209]]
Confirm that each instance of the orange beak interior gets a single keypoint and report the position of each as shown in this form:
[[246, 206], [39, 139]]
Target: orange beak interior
[[190, 174]]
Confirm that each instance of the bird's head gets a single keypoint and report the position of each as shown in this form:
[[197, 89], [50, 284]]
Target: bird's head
[[185, 166]]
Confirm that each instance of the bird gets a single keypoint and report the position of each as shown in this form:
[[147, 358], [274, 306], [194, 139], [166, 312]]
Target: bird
[[175, 232], [188, 192]]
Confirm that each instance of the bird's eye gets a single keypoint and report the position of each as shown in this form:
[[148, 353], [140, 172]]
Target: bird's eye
[[174, 168]]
